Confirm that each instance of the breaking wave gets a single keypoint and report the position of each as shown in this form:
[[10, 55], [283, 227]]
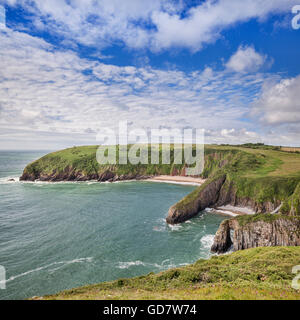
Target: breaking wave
[[60, 264]]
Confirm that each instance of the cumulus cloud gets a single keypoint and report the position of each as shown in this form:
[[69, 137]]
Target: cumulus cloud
[[204, 23], [156, 24], [235, 136], [280, 102], [44, 90], [246, 59]]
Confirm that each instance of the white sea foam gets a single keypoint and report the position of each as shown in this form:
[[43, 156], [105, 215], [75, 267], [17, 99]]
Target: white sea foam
[[175, 227], [5, 180], [166, 264], [162, 225], [126, 265], [60, 263], [207, 240]]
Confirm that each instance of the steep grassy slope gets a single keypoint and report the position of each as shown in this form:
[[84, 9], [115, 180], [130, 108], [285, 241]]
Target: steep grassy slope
[[260, 273], [261, 174], [80, 163], [258, 178], [243, 161], [261, 177]]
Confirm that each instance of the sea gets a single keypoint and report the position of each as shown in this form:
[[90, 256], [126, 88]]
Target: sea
[[57, 236]]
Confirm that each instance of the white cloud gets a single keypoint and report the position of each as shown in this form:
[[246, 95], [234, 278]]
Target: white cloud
[[156, 24], [61, 94], [2, 17], [246, 59], [204, 23], [279, 102], [235, 136]]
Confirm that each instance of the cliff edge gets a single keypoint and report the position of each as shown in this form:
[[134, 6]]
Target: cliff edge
[[261, 180], [261, 230]]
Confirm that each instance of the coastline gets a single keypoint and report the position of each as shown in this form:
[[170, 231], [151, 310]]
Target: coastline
[[183, 180], [177, 180], [233, 211]]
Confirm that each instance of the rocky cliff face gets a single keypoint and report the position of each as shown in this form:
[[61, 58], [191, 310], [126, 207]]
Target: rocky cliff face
[[291, 206], [228, 195], [222, 240], [70, 174], [204, 197], [259, 231], [218, 192]]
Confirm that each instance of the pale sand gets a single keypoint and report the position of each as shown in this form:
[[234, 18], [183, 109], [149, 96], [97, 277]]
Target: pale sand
[[227, 210], [178, 180], [234, 211]]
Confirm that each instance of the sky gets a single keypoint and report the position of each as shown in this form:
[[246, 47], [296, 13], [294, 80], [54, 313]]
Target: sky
[[69, 68]]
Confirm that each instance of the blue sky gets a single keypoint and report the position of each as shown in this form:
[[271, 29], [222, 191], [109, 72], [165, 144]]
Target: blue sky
[[70, 68]]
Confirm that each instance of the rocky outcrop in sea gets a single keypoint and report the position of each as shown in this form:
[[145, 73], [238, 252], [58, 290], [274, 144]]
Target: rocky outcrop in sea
[[263, 230]]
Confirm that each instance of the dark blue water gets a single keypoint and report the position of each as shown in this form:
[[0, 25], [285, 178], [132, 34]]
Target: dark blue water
[[55, 236]]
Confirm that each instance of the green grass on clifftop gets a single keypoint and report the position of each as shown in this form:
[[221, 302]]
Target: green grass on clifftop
[[238, 161], [83, 159], [268, 218], [260, 273], [261, 174], [257, 172]]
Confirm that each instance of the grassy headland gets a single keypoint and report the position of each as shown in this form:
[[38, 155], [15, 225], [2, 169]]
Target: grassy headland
[[262, 178], [260, 273], [76, 162], [254, 173]]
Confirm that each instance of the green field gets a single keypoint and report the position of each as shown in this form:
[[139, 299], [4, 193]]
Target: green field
[[261, 175], [249, 162], [276, 162], [260, 273]]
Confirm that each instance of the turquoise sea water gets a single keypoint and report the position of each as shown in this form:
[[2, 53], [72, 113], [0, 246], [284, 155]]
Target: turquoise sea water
[[55, 236]]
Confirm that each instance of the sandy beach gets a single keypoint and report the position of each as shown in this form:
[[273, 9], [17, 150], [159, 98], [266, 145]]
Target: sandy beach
[[234, 211], [178, 180], [227, 210]]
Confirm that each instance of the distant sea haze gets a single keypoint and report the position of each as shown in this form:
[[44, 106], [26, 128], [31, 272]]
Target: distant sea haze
[[55, 236]]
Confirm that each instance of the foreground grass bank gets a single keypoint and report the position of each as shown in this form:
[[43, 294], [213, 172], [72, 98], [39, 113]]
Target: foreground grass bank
[[260, 273]]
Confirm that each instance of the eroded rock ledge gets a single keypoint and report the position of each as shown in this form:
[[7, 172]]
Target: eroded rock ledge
[[70, 174], [262, 230], [201, 198], [219, 191]]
